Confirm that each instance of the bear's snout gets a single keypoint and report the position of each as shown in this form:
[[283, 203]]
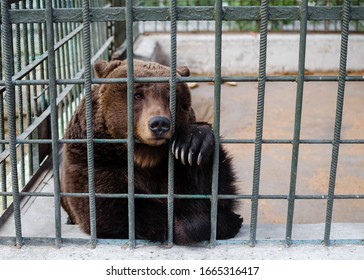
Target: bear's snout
[[159, 125]]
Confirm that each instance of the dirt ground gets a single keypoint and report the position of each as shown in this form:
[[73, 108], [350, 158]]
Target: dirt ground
[[238, 118]]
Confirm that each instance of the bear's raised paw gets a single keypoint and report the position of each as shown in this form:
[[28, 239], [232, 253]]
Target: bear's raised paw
[[193, 144]]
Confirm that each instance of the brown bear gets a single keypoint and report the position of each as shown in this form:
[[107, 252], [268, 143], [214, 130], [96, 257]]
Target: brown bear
[[193, 145]]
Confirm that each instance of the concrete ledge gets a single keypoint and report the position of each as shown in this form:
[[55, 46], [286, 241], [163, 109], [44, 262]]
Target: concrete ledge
[[222, 252]]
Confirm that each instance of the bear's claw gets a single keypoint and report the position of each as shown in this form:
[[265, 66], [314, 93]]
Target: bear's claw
[[193, 144]]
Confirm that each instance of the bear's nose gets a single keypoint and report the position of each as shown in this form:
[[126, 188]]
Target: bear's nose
[[159, 125]]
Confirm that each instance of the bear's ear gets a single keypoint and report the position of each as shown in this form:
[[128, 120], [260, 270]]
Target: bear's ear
[[183, 71], [100, 67], [103, 68]]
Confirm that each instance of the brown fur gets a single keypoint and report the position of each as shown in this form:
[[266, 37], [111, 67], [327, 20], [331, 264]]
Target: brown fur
[[109, 107]]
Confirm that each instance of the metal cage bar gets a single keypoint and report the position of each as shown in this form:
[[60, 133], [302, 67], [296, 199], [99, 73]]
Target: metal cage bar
[[7, 42], [130, 102], [79, 81], [188, 196], [242, 13], [297, 122], [54, 119], [216, 121], [172, 104], [89, 119], [259, 119], [4, 199], [338, 119], [20, 102]]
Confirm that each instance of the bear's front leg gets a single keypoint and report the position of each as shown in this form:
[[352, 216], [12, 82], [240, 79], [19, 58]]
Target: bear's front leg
[[193, 144]]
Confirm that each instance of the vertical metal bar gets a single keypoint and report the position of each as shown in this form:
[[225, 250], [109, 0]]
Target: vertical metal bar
[[41, 50], [259, 120], [4, 199], [89, 122], [45, 33], [62, 49], [54, 120], [62, 66], [73, 57], [130, 85], [119, 30], [74, 67], [172, 104], [216, 124], [26, 56], [57, 38], [95, 42], [78, 51], [10, 100], [338, 119], [67, 65], [20, 101], [47, 96], [297, 124], [34, 156]]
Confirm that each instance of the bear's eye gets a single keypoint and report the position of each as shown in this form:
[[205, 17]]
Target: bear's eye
[[138, 96]]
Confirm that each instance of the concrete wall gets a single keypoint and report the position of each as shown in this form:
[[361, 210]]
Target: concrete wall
[[241, 52]]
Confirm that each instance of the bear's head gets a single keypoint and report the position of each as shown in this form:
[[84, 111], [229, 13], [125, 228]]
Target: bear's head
[[152, 115]]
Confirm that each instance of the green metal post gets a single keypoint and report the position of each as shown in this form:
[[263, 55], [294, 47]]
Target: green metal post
[[10, 100], [89, 118], [216, 124], [130, 103], [172, 82], [297, 124], [338, 119], [259, 120], [54, 119]]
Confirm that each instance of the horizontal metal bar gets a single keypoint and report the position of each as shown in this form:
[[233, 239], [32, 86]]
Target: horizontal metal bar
[[248, 13], [290, 141], [36, 241], [190, 196], [21, 140], [99, 141], [188, 79], [293, 242]]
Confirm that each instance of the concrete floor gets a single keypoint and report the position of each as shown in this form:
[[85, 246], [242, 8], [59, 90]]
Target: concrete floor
[[238, 118], [223, 252]]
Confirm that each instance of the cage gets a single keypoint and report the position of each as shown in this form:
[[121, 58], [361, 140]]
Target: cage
[[47, 51]]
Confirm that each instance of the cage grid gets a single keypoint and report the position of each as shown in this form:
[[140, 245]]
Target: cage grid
[[48, 69]]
